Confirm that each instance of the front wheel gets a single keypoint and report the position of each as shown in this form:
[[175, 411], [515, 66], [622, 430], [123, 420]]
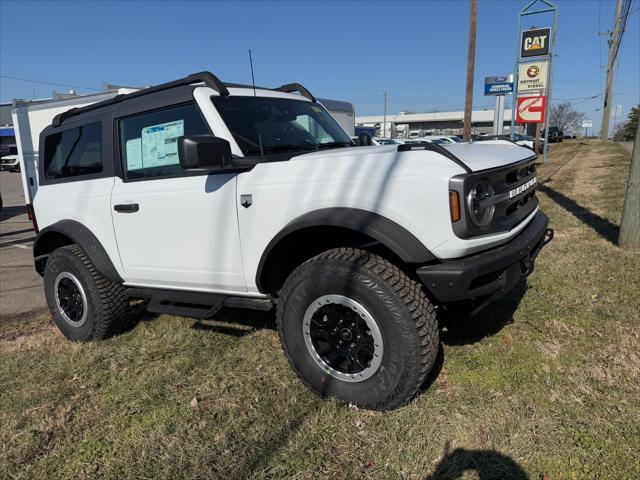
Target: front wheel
[[355, 327]]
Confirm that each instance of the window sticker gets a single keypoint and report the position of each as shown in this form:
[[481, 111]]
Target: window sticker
[[134, 153], [159, 144], [316, 109]]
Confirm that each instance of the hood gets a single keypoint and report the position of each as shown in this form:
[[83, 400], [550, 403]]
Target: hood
[[476, 156], [342, 152], [484, 155]]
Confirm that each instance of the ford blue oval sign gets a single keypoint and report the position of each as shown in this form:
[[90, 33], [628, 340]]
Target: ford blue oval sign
[[498, 85]]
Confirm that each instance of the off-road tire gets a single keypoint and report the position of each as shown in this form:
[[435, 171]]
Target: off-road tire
[[108, 310], [402, 311]]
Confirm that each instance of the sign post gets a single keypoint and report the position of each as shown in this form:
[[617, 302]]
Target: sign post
[[499, 87], [587, 124], [534, 77]]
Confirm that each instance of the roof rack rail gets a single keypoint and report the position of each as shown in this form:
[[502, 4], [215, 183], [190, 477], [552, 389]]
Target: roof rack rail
[[296, 87], [208, 78]]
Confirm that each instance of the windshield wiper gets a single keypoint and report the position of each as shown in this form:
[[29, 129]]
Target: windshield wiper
[[283, 148], [335, 144]]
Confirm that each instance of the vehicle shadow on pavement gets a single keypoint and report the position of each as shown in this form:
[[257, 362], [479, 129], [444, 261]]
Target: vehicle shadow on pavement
[[462, 329], [487, 464], [605, 228], [8, 213]]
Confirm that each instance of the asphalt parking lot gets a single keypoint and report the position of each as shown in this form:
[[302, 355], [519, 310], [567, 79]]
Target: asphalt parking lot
[[20, 286]]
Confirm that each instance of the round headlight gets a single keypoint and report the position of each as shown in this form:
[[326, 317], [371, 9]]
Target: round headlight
[[481, 216]]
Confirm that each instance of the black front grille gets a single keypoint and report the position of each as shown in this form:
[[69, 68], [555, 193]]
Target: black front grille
[[512, 207]]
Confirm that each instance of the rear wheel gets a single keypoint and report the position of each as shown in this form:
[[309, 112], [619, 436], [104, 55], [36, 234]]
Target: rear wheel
[[355, 327], [83, 303]]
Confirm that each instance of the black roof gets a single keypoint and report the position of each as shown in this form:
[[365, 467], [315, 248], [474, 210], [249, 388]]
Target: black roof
[[208, 78]]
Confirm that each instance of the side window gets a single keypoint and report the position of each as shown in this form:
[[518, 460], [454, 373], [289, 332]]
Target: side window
[[149, 141], [73, 152]]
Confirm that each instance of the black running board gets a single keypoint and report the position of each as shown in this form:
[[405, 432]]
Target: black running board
[[194, 304]]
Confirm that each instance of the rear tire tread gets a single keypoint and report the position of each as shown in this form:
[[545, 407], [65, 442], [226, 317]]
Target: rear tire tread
[[113, 307]]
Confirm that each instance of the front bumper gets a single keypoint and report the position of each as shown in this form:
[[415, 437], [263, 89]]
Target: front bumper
[[488, 274]]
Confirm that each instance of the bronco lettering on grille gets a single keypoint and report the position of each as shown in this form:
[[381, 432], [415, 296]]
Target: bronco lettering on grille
[[522, 188]]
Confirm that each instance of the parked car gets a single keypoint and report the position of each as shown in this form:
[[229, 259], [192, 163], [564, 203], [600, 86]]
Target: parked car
[[518, 139], [453, 138], [356, 141], [10, 163], [439, 139], [389, 141], [355, 247], [418, 140], [555, 135]]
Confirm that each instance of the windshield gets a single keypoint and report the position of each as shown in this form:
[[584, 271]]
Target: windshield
[[276, 125]]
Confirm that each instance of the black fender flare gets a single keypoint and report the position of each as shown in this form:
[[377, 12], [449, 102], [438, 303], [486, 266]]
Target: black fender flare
[[46, 241], [393, 236]]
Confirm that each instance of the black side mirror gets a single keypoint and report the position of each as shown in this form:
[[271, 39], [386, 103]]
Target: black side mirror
[[364, 139], [204, 152]]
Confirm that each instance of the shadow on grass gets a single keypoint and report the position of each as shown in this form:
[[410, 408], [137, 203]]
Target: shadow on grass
[[273, 444], [606, 229], [253, 319], [487, 464], [462, 329]]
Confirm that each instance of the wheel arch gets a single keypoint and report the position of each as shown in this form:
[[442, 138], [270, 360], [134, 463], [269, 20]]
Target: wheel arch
[[320, 230], [67, 232]]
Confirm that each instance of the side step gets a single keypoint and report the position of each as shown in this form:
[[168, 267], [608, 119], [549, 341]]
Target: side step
[[194, 304]]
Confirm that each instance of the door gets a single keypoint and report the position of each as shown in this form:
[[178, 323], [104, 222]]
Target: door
[[174, 229]]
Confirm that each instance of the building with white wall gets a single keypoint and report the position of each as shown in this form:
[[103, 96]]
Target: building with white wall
[[449, 123]]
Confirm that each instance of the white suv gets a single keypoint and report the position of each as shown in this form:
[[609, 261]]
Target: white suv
[[198, 194]]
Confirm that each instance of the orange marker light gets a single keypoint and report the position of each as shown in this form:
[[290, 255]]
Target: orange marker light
[[454, 205]]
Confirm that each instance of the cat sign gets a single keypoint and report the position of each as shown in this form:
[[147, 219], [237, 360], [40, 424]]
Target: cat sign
[[535, 43], [531, 109]]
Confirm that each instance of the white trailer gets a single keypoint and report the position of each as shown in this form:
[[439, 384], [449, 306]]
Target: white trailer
[[30, 117], [343, 112]]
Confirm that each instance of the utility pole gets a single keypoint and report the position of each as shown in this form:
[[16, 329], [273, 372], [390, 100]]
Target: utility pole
[[616, 110], [384, 121], [471, 61], [630, 225], [614, 46]]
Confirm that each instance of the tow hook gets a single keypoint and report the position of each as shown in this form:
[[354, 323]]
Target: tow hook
[[527, 267], [548, 235]]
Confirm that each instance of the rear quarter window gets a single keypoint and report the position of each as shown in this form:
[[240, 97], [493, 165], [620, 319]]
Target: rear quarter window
[[74, 152]]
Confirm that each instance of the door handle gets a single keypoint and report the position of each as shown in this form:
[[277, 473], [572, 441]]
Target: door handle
[[126, 207]]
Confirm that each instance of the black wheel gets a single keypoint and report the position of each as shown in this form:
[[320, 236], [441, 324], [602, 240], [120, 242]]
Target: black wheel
[[84, 305], [355, 327]]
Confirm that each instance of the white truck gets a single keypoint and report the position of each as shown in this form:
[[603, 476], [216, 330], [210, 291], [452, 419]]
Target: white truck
[[198, 194]]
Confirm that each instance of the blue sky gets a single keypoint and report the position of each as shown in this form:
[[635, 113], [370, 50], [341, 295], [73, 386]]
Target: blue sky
[[343, 50]]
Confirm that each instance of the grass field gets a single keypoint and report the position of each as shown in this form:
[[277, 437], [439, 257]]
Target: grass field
[[543, 385]]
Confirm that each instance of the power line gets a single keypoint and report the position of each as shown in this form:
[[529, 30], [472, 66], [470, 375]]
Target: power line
[[49, 83]]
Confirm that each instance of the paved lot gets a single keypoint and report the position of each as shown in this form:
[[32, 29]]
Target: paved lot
[[20, 286]]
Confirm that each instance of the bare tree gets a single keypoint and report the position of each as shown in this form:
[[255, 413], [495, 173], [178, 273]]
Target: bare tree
[[564, 116]]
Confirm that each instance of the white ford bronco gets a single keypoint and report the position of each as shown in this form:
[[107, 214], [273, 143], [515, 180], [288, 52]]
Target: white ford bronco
[[198, 194]]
